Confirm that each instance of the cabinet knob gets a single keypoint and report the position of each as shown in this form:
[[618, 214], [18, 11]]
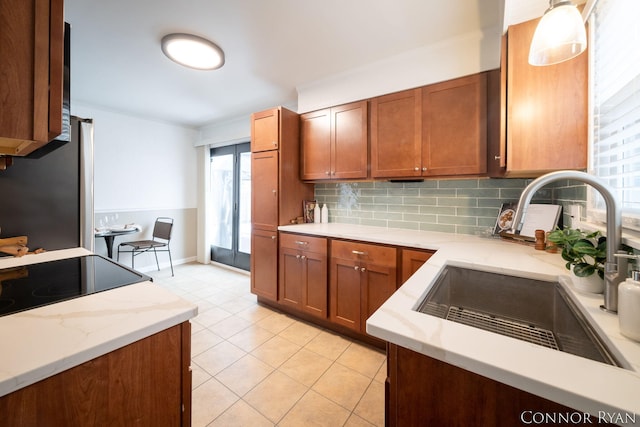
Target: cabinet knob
[[333, 172], [275, 143], [496, 158], [363, 269], [273, 191], [327, 173], [424, 169], [303, 257], [356, 268], [273, 237], [297, 256], [416, 168]]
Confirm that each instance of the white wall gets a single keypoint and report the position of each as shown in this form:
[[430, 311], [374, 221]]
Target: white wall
[[468, 54], [139, 163], [465, 55], [144, 169]]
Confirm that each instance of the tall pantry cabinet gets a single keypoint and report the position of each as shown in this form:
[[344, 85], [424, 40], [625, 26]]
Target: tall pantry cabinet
[[276, 192]]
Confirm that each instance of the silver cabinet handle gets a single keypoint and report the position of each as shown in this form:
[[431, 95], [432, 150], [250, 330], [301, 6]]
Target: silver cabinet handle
[[358, 253], [300, 242], [496, 158]]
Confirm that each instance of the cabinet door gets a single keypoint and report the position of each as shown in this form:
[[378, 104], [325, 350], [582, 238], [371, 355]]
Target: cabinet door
[[291, 278], [315, 280], [349, 141], [412, 260], [315, 132], [379, 283], [264, 190], [265, 130], [344, 293], [264, 264], [32, 48], [547, 115], [396, 138], [454, 129]]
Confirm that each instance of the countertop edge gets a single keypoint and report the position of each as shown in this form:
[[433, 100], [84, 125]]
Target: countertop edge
[[86, 327]]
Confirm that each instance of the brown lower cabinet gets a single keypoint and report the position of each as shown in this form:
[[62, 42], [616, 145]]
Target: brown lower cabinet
[[303, 273], [264, 264], [146, 383], [422, 391], [412, 260], [335, 283], [362, 277]]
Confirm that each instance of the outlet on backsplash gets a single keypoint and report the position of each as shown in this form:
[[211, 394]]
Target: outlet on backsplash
[[575, 213]]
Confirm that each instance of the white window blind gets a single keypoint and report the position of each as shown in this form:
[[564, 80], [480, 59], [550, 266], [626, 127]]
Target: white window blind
[[615, 65]]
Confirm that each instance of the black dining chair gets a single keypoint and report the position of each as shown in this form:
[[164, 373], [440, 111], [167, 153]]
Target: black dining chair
[[161, 238]]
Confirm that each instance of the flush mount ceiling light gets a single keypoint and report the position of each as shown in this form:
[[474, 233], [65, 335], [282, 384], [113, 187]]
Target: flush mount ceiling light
[[560, 34], [192, 51]]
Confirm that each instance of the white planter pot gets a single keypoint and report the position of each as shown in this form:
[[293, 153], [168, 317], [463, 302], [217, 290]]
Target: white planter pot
[[591, 284]]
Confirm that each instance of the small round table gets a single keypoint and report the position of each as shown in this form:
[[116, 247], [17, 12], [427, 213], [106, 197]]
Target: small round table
[[110, 236]]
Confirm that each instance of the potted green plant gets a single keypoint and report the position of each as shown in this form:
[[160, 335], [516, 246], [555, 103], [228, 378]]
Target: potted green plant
[[585, 254]]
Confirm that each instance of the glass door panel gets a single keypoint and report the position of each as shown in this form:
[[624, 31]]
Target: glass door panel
[[231, 205]]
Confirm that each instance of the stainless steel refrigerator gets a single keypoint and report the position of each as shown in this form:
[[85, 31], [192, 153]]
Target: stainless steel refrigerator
[[49, 197]]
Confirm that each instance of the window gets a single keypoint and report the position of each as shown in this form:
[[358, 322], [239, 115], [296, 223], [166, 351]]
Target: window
[[615, 98]]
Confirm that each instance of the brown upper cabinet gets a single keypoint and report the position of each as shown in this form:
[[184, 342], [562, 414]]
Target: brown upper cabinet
[[31, 87], [265, 130], [545, 112], [334, 143], [436, 130]]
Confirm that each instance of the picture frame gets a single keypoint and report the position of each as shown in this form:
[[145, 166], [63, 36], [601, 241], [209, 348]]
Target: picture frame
[[307, 210], [504, 221]]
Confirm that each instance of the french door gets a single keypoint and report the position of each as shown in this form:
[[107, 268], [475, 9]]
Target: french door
[[231, 205]]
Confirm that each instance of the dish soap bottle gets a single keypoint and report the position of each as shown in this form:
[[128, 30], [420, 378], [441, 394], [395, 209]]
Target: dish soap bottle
[[629, 306], [325, 213], [316, 213]]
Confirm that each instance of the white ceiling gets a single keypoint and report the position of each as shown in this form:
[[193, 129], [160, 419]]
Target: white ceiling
[[271, 47]]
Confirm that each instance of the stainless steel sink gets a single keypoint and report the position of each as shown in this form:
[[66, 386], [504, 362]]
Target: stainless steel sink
[[531, 310]]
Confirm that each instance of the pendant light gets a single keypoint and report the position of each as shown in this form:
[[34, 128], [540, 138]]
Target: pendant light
[[560, 35], [192, 51]]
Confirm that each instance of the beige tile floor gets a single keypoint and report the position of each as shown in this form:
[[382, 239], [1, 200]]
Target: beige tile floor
[[255, 366]]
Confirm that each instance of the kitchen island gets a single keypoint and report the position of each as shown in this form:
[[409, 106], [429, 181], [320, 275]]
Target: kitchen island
[[105, 359], [587, 386]]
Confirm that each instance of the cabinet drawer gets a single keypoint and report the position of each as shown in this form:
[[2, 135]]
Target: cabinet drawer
[[365, 252], [306, 243]]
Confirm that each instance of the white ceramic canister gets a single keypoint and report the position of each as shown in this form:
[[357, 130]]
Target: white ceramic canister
[[629, 307]]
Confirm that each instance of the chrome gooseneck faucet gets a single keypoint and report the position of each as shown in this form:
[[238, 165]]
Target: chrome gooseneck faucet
[[614, 273]]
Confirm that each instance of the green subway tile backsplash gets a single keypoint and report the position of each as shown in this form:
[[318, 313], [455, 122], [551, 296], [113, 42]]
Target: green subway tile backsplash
[[464, 206]]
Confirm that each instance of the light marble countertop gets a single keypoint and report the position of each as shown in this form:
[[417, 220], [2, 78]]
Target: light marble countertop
[[44, 341], [579, 383]]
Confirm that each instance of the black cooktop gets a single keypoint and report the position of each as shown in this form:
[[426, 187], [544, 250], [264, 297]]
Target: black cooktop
[[35, 285]]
